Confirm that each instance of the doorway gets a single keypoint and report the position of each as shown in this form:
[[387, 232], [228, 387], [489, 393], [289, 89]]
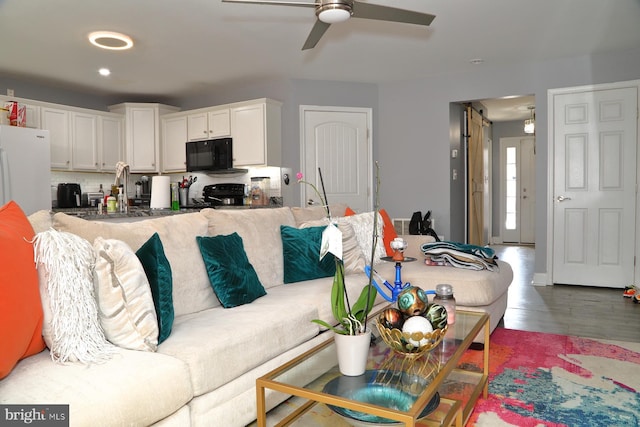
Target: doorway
[[517, 190], [337, 140]]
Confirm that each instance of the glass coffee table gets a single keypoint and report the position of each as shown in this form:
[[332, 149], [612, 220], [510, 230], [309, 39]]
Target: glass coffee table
[[430, 390]]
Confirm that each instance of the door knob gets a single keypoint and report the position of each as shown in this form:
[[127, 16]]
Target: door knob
[[562, 198]]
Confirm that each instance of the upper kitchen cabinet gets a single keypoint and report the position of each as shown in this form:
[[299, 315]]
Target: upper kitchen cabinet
[[142, 134], [32, 112], [84, 141], [56, 121], [110, 141], [96, 141], [174, 138], [256, 132], [207, 124]]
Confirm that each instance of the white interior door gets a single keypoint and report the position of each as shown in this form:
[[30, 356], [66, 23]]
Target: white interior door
[[594, 188], [518, 192], [337, 140]]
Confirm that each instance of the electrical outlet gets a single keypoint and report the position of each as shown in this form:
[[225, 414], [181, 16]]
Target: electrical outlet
[[10, 92]]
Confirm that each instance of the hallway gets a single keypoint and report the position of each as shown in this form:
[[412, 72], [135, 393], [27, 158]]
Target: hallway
[[564, 309]]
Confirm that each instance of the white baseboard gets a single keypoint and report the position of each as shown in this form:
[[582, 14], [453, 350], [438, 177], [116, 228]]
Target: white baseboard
[[540, 279]]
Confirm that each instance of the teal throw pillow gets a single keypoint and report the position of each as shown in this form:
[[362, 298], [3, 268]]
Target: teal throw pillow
[[233, 278], [301, 251], [158, 270]]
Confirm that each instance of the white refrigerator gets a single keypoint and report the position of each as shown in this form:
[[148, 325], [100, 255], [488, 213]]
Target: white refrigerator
[[25, 168]]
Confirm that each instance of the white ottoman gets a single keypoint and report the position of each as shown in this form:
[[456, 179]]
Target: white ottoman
[[483, 290]]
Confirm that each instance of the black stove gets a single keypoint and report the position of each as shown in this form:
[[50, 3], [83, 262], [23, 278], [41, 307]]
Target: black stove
[[227, 194]]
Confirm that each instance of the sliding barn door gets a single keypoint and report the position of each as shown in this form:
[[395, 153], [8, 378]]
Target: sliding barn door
[[476, 181]]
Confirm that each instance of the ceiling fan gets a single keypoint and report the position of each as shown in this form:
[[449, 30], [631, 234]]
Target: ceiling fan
[[333, 11]]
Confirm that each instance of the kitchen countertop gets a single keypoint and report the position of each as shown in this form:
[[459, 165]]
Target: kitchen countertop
[[91, 213]]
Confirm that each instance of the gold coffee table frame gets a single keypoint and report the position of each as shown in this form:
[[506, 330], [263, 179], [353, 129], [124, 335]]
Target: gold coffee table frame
[[459, 388]]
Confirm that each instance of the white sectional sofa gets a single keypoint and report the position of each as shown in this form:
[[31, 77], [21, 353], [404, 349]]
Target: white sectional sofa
[[204, 373]]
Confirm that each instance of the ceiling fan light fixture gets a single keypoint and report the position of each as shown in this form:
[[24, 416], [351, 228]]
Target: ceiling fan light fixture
[[333, 14], [110, 40]]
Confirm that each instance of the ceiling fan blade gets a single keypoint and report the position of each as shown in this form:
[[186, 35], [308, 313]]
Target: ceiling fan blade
[[273, 2], [319, 28], [386, 13]]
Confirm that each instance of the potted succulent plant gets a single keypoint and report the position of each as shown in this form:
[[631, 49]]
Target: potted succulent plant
[[352, 334]]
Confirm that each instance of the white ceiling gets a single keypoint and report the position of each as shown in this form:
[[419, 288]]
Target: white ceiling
[[186, 46], [511, 108]]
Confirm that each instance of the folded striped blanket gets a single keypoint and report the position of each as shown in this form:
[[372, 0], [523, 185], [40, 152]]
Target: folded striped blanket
[[460, 255]]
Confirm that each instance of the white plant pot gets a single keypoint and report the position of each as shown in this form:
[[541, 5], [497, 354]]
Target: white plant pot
[[352, 353]]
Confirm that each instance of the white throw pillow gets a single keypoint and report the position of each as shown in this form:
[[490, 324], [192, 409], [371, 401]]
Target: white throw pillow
[[352, 256], [125, 304], [71, 327], [363, 227]]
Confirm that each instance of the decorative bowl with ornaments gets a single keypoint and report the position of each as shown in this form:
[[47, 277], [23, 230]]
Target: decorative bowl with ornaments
[[415, 326]]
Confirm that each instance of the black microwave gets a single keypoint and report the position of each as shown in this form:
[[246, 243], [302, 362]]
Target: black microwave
[[211, 155]]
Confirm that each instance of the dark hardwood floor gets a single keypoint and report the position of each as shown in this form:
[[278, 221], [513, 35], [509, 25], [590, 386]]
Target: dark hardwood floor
[[564, 309]]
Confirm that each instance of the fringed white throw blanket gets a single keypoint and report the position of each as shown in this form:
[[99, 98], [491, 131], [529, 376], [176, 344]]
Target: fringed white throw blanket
[[71, 327]]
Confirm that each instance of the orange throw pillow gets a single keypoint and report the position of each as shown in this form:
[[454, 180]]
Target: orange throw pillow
[[20, 306], [388, 231]]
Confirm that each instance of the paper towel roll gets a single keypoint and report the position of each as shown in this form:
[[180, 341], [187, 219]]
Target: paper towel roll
[[160, 192]]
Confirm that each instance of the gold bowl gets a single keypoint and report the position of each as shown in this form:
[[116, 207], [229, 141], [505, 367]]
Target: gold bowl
[[401, 343]]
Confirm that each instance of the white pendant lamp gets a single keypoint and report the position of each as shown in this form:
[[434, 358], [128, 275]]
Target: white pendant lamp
[[530, 124]]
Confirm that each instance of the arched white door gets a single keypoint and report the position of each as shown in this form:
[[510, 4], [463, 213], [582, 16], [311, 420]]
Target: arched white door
[[338, 141]]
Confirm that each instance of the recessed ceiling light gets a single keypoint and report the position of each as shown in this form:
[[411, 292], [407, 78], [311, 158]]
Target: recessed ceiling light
[[110, 40], [476, 61], [104, 71]]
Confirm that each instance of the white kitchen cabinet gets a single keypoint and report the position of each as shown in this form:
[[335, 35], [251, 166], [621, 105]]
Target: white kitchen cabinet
[[32, 112], [110, 142], [206, 124], [174, 138], [84, 142], [142, 134], [32, 115], [256, 132], [56, 121], [96, 142], [219, 123]]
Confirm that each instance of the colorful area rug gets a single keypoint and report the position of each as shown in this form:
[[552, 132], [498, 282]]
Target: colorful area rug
[[538, 379]]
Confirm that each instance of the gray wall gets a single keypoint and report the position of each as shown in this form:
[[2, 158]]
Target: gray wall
[[23, 88], [293, 94], [414, 127], [413, 130], [456, 187]]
